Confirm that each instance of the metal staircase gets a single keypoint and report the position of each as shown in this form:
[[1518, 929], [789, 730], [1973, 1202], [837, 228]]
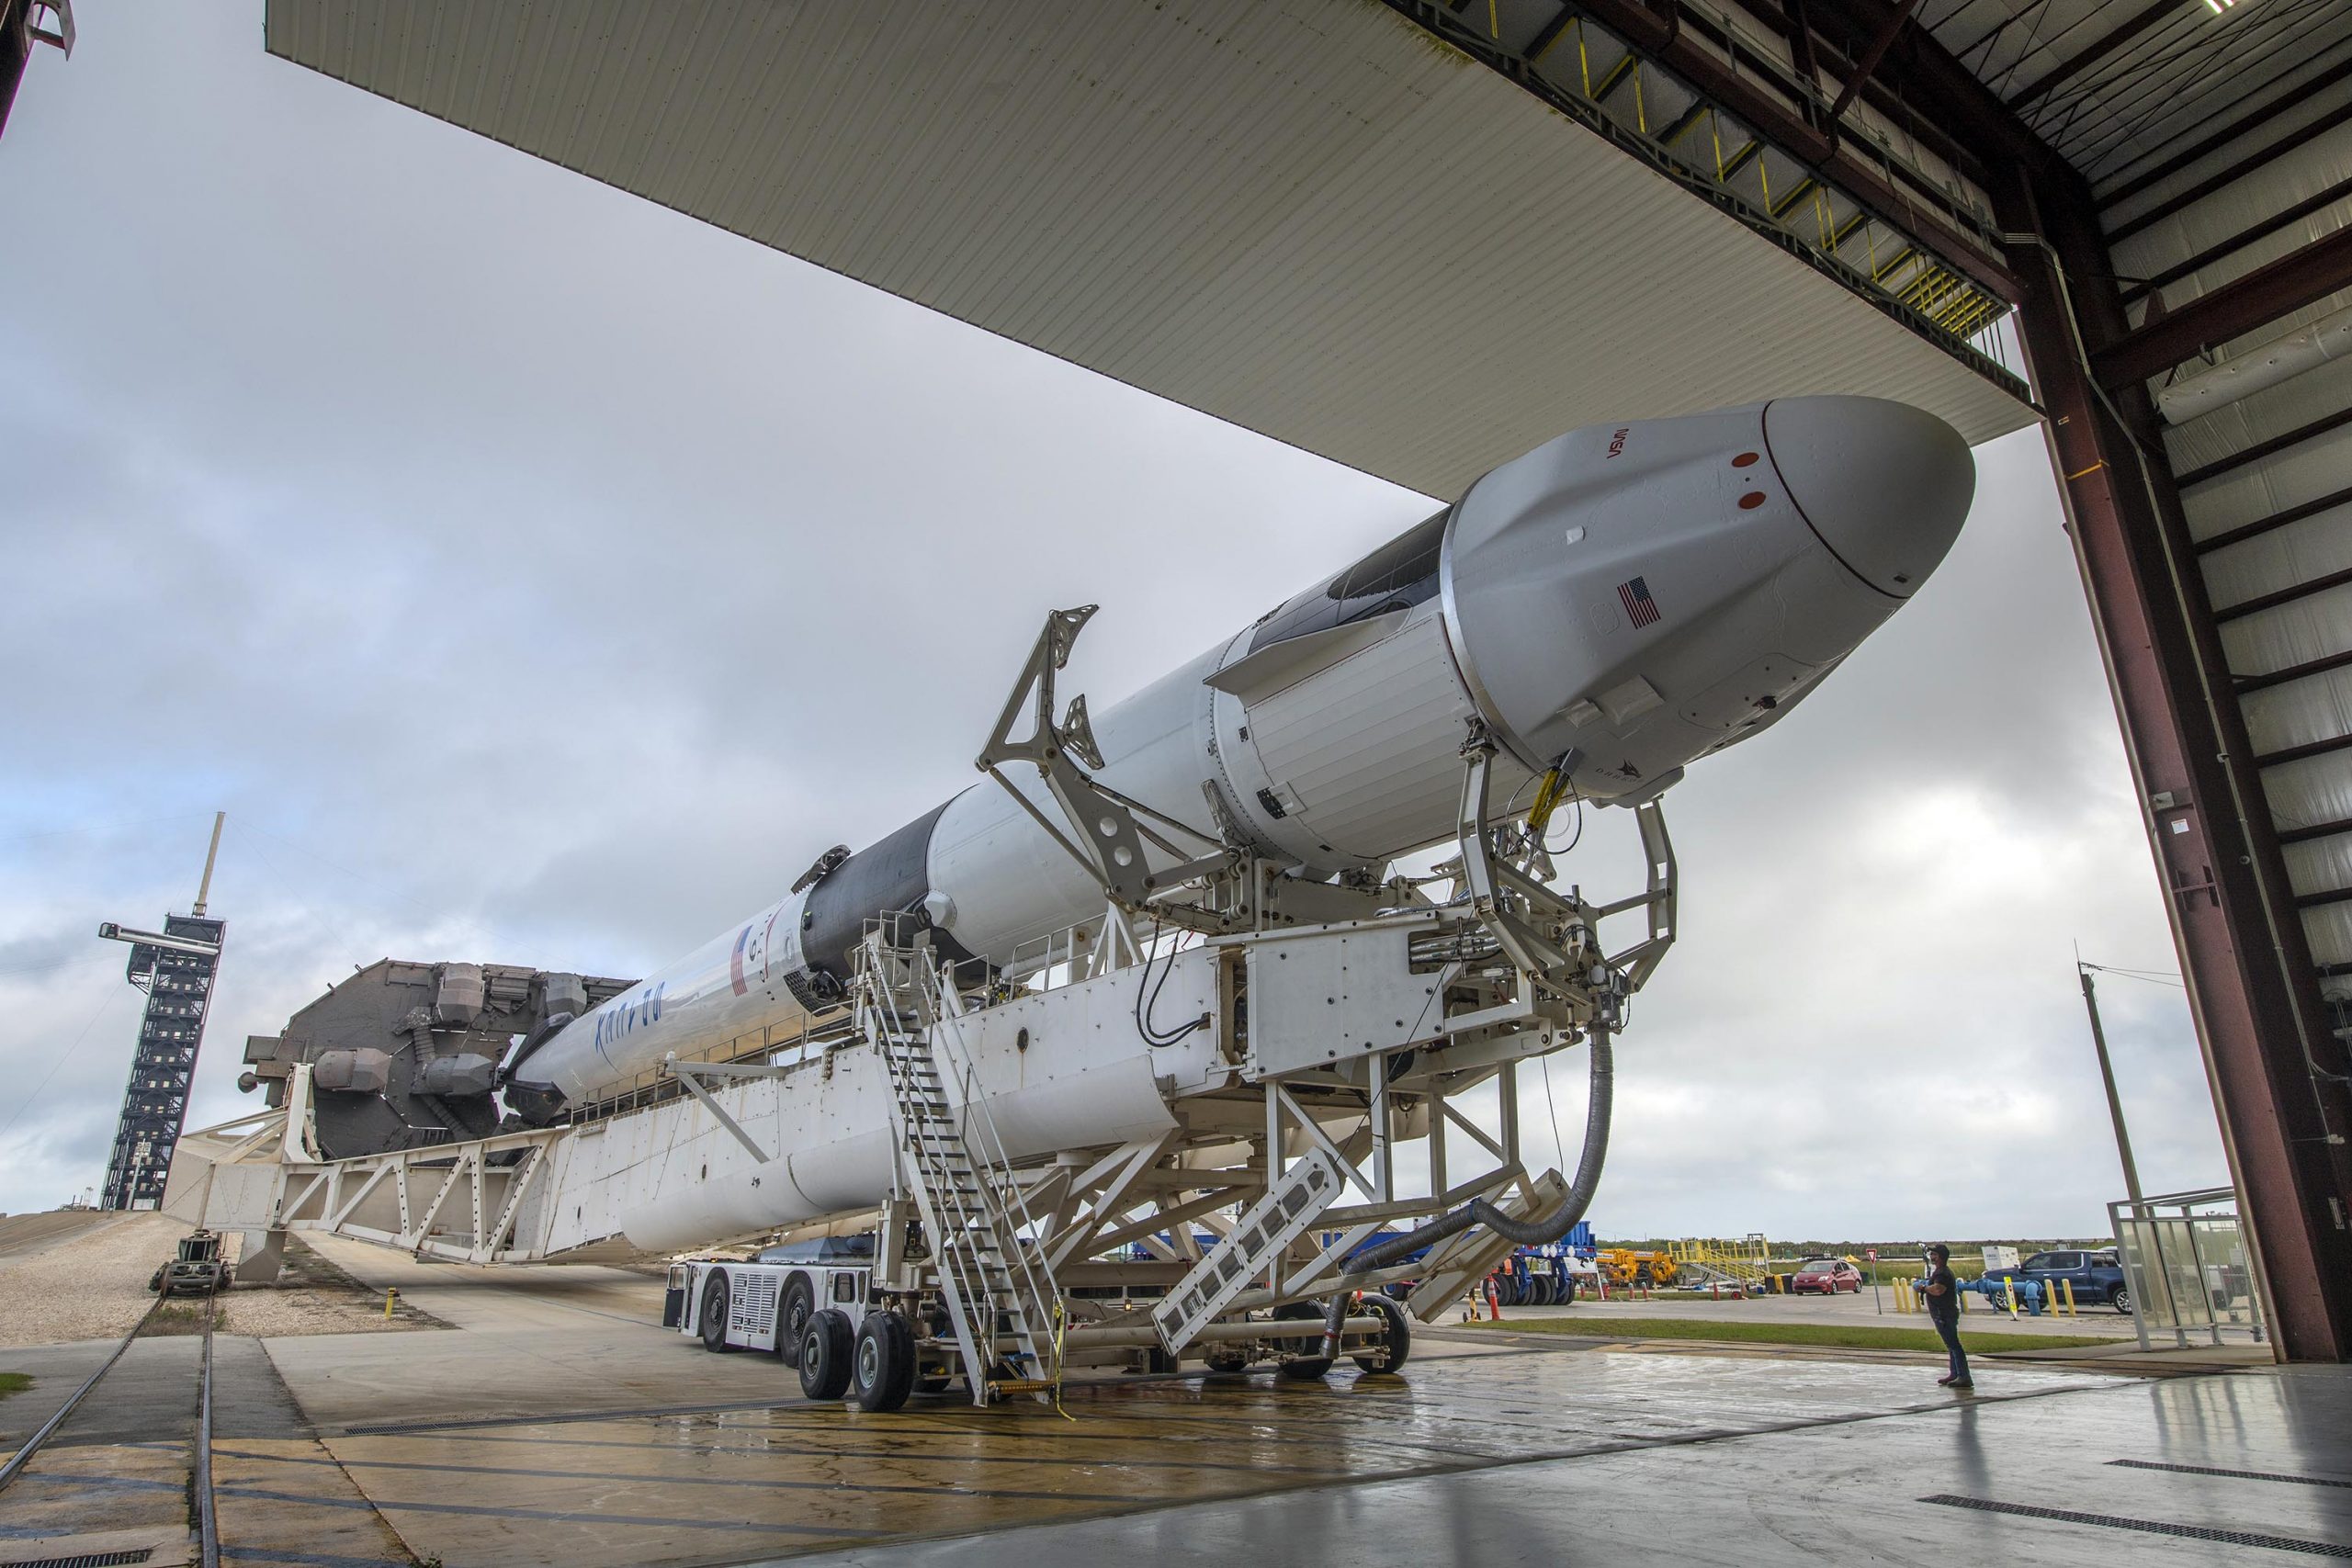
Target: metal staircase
[[1276, 1220], [995, 1285], [1743, 1265]]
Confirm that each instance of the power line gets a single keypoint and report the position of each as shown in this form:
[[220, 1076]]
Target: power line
[[59, 1062]]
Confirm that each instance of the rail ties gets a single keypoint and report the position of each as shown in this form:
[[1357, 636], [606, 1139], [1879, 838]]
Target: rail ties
[[208, 1523]]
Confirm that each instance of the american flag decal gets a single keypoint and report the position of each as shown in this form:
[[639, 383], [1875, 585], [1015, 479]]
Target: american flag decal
[[1640, 608]]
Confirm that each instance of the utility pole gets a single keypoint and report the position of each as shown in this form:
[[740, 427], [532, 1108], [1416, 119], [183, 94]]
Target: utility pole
[[2107, 1075]]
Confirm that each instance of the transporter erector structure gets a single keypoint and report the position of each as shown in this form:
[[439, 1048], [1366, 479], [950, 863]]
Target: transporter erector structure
[[1157, 975]]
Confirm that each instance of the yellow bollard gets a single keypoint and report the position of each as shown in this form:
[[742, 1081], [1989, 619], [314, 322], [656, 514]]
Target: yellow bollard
[[389, 1297], [2069, 1287]]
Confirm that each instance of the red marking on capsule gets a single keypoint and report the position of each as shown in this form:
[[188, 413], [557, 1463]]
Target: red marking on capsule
[[1751, 501], [1746, 460]]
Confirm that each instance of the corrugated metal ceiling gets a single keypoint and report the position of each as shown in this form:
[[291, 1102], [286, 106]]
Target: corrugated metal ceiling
[[1302, 216]]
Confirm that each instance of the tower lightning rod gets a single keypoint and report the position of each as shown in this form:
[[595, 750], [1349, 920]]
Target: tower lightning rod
[[203, 888]]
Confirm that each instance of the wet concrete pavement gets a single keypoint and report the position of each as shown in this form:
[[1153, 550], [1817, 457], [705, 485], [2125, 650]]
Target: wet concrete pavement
[[559, 1424]]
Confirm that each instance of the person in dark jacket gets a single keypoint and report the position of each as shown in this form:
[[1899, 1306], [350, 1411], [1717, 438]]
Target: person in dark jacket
[[1943, 1311]]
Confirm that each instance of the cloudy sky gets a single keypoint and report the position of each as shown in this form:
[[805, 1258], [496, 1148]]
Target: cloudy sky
[[538, 576]]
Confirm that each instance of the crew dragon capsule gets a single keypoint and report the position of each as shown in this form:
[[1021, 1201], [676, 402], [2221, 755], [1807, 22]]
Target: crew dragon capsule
[[1618, 603]]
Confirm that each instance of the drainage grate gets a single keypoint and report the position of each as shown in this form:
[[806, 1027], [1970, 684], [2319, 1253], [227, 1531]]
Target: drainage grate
[[2150, 1527], [92, 1559], [2233, 1474]]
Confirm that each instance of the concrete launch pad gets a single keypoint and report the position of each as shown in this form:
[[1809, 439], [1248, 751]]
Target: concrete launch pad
[[556, 1423]]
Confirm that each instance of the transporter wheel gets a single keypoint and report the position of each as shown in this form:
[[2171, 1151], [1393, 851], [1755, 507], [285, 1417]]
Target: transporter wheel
[[1396, 1338], [934, 1384], [1226, 1362], [1304, 1369], [825, 1352], [714, 1310], [882, 1366], [792, 1312]]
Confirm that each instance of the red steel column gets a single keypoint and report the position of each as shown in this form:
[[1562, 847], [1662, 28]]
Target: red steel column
[[2252, 989]]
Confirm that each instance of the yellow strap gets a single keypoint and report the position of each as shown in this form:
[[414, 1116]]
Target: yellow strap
[[1547, 799]]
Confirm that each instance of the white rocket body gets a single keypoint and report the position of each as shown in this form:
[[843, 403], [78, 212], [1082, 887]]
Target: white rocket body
[[1622, 601]]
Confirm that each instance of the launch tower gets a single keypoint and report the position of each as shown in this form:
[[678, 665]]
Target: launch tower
[[174, 967]]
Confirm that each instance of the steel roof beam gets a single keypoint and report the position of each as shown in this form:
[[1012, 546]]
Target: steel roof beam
[[1949, 94], [2261, 449], [2256, 160], [2284, 218], [2275, 520], [1661, 38], [2292, 98], [2308, 589], [2299, 279], [1867, 66], [2297, 753], [2129, 33]]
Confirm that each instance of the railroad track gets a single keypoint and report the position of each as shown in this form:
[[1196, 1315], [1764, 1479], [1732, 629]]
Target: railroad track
[[207, 1519]]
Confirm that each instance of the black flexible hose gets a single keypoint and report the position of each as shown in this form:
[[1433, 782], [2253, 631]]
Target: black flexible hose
[[1533, 1231]]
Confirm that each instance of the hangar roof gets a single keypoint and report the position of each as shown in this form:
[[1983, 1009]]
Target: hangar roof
[[1306, 217], [2112, 84]]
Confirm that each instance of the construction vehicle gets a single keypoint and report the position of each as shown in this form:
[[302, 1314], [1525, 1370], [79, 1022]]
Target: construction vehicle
[[1624, 1267], [198, 1269]]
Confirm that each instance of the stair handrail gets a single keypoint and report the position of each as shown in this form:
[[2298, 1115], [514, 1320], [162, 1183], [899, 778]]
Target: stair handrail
[[992, 1164]]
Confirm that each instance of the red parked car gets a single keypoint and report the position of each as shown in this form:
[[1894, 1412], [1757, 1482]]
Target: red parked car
[[1826, 1276]]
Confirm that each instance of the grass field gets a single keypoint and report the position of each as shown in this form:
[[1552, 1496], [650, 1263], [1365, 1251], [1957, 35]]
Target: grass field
[[14, 1382], [1836, 1336]]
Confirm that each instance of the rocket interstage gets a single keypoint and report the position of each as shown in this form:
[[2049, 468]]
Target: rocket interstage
[[1614, 605]]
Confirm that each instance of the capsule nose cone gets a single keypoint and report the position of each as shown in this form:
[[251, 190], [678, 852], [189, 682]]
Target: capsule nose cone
[[1885, 485]]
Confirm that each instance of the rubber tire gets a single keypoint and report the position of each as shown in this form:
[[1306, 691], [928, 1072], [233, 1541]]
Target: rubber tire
[[1399, 1336], [1507, 1289], [800, 1293], [1225, 1363], [882, 1362], [1551, 1290], [933, 1385], [713, 1322], [825, 1353], [2121, 1299], [1306, 1370]]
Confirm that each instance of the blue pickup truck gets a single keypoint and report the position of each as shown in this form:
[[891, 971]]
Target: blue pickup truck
[[2096, 1277]]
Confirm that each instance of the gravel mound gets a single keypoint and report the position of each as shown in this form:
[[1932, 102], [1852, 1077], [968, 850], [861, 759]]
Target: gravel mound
[[90, 1282]]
